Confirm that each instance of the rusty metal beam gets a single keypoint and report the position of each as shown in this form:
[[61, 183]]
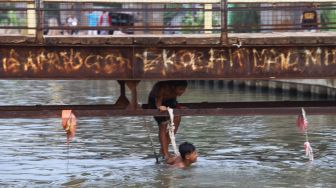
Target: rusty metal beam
[[140, 63], [194, 109]]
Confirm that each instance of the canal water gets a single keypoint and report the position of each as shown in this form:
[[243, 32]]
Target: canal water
[[246, 151]]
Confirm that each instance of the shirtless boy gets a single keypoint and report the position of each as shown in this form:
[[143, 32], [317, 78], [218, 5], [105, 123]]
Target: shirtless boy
[[163, 95], [188, 155]]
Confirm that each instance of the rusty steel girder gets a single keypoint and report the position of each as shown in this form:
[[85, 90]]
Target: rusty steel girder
[[139, 63], [193, 109]]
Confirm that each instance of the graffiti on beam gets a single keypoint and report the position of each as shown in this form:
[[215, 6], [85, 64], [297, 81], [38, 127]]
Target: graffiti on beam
[[64, 62], [232, 62], [138, 63]]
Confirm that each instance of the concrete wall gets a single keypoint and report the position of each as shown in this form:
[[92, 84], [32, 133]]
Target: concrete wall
[[321, 87], [315, 89], [316, 82]]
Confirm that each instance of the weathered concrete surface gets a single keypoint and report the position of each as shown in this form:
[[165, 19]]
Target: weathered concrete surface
[[317, 82], [318, 87], [276, 38], [284, 38], [325, 87], [121, 40]]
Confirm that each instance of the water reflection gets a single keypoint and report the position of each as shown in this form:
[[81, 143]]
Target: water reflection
[[247, 151]]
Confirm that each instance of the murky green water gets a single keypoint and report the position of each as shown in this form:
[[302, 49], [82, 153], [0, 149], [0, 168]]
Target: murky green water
[[248, 151]]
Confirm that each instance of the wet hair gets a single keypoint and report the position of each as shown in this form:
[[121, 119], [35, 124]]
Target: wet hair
[[178, 83], [186, 148]]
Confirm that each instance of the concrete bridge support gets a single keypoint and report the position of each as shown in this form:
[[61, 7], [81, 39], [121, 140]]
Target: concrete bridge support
[[284, 87]]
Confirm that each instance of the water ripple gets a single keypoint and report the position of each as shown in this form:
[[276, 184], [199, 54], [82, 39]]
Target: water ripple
[[247, 151]]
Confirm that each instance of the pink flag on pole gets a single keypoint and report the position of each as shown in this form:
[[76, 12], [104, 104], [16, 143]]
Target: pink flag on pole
[[302, 122]]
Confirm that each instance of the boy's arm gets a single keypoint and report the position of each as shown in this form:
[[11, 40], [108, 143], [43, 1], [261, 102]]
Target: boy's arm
[[159, 99], [179, 106], [170, 160]]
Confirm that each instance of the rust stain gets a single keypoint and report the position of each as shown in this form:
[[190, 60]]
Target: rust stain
[[187, 63], [64, 62], [242, 62]]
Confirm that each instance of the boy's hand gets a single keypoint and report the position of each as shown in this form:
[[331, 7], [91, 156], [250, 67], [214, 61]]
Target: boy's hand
[[162, 108], [178, 106]]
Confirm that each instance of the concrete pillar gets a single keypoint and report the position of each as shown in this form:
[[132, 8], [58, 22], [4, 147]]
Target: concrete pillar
[[262, 85], [293, 89], [251, 84], [211, 84], [220, 84]]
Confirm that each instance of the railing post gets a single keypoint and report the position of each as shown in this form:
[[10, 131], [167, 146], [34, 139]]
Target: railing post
[[207, 18], [39, 23], [31, 18], [145, 19], [224, 36]]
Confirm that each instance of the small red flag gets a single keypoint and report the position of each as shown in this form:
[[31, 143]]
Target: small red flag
[[69, 124]]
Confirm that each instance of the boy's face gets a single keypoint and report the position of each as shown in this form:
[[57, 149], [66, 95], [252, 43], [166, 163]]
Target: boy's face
[[179, 90], [192, 157]]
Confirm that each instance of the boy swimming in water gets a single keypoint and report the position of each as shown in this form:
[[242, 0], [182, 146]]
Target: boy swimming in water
[[163, 95], [188, 155]]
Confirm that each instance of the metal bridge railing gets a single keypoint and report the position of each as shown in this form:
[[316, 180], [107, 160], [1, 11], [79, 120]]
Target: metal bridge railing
[[117, 17]]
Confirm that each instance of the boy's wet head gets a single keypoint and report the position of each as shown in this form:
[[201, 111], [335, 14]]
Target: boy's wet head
[[180, 86], [180, 83], [188, 152], [179, 90]]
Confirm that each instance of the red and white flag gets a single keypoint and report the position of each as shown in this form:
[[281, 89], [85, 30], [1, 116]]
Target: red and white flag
[[69, 124]]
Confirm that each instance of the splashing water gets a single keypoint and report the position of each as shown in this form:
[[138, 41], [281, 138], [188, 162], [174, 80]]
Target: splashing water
[[309, 151]]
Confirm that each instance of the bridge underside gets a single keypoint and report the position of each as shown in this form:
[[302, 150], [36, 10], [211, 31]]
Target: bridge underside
[[261, 56], [132, 61]]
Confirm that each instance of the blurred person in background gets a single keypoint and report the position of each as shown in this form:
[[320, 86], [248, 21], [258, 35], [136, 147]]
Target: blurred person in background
[[104, 21], [92, 19]]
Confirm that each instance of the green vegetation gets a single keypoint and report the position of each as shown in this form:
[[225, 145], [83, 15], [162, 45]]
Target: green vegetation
[[189, 21], [328, 20], [192, 20], [243, 21], [169, 15]]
